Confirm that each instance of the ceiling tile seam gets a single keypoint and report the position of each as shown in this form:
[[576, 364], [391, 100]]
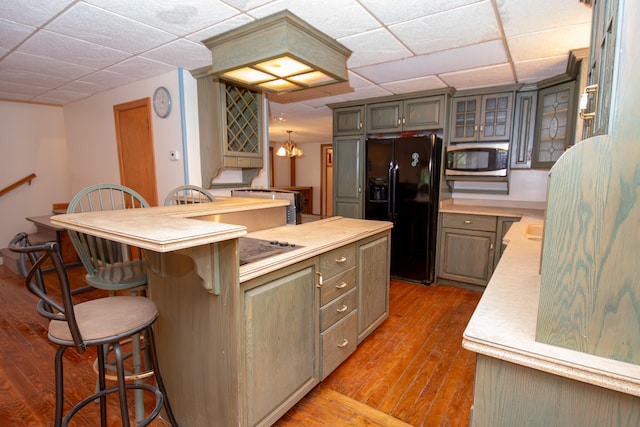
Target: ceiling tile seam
[[503, 37], [386, 28], [38, 28]]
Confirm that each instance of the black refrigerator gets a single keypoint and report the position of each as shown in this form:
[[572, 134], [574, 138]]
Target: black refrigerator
[[403, 182]]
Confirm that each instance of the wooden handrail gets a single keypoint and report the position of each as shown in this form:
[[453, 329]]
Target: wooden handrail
[[17, 184]]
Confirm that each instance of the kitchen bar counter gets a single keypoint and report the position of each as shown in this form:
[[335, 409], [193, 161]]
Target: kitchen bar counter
[[240, 345], [511, 364]]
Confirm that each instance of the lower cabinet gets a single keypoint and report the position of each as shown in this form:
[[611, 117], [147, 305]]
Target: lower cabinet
[[281, 340], [373, 283], [467, 246]]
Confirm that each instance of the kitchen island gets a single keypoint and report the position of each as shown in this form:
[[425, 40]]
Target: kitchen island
[[520, 381], [240, 345]]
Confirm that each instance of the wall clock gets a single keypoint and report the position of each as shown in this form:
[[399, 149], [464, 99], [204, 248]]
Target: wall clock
[[162, 102]]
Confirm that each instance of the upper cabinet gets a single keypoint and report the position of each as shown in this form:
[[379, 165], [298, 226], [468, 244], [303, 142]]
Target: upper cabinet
[[524, 123], [230, 122], [411, 114], [597, 101], [348, 121], [482, 117], [555, 123]]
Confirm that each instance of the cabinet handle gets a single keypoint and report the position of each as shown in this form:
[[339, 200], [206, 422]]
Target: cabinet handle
[[341, 285], [344, 343], [319, 285], [341, 260], [466, 221], [404, 120], [399, 121], [359, 125], [475, 128], [491, 247], [342, 309], [481, 128]]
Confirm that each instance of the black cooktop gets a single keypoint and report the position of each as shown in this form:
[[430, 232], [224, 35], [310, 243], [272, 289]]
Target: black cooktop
[[252, 250]]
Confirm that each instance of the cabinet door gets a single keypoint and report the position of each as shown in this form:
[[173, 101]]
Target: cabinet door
[[504, 224], [467, 256], [373, 283], [384, 117], [348, 158], [348, 121], [523, 129], [555, 123], [281, 340], [465, 120], [423, 113], [496, 117]]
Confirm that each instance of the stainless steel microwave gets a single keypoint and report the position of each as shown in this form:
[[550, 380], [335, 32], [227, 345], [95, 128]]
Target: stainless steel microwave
[[477, 159]]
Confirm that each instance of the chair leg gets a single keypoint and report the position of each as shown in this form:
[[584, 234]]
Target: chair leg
[[59, 386], [151, 347], [122, 387], [137, 368], [101, 383]]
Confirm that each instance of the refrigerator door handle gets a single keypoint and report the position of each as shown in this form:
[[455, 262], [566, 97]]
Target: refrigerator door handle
[[393, 182], [390, 201]]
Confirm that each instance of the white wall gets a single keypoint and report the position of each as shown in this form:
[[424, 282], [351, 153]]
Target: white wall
[[32, 139]]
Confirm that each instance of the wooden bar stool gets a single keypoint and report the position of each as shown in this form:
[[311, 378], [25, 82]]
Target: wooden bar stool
[[100, 323]]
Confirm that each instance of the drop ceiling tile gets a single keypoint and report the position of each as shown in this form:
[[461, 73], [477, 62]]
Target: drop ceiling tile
[[539, 69], [373, 47], [60, 97], [459, 27], [141, 67], [32, 12], [13, 96], [180, 18], [473, 56], [98, 26], [415, 85], [46, 66], [522, 17], [74, 51], [181, 53], [79, 86], [109, 79], [393, 12], [246, 4], [30, 78], [220, 28], [549, 43], [366, 92], [13, 33], [23, 88], [480, 77], [335, 18]]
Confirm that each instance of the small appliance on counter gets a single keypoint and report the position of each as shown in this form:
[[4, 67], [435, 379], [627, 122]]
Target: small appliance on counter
[[294, 210]]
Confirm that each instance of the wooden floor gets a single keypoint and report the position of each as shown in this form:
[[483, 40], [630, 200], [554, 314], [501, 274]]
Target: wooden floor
[[411, 371]]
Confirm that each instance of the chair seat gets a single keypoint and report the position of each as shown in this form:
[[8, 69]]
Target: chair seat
[[119, 276], [106, 319]]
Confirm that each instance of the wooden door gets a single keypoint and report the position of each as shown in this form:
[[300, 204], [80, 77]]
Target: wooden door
[[135, 148]]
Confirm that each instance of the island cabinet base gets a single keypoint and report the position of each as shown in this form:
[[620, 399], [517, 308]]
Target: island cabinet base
[[508, 394]]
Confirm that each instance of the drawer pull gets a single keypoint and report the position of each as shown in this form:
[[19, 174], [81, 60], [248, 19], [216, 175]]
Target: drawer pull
[[342, 309], [341, 285], [344, 343], [341, 260], [319, 285], [466, 221]]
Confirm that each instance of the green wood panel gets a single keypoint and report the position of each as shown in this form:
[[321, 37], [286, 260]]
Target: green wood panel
[[507, 395], [466, 255], [373, 284], [280, 330]]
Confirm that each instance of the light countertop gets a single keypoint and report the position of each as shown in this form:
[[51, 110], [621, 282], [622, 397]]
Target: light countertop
[[503, 325]]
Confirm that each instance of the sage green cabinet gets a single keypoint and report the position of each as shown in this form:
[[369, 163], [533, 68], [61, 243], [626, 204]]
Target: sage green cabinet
[[411, 114], [230, 123], [373, 267], [281, 344], [524, 124], [503, 226], [604, 32], [467, 248], [555, 123], [348, 121], [482, 117], [348, 176]]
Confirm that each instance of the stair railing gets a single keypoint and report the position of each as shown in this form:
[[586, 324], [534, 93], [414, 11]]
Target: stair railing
[[18, 183]]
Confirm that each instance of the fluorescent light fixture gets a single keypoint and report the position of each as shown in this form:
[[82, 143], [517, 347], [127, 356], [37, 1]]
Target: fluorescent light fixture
[[278, 53]]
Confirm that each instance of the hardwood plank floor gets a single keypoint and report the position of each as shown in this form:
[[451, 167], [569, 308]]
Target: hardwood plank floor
[[411, 371]]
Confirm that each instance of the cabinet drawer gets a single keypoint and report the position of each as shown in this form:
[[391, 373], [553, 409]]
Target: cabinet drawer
[[337, 285], [469, 221], [337, 260], [337, 309], [338, 342]]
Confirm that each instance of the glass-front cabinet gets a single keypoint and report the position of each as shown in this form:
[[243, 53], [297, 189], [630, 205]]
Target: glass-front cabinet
[[482, 117]]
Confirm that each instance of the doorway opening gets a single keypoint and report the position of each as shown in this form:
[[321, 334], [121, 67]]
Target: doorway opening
[[326, 180]]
